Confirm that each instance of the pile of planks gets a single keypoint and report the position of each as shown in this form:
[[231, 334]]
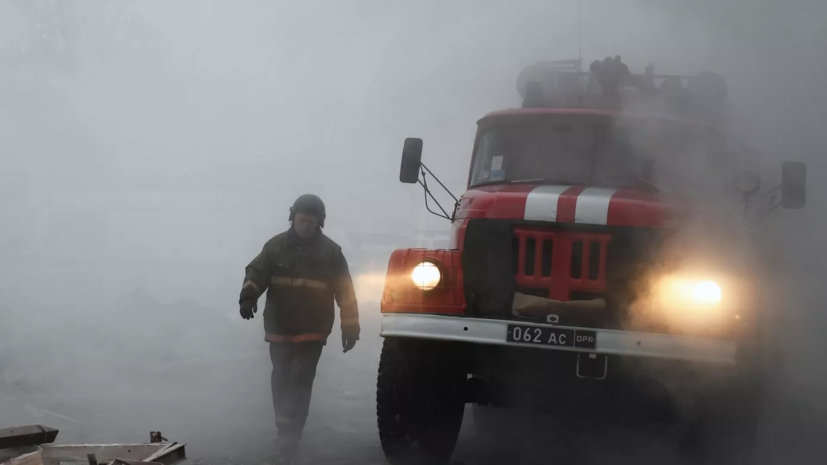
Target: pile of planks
[[32, 445]]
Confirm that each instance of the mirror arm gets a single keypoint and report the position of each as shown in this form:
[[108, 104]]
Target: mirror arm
[[769, 207], [772, 192], [424, 183], [425, 168], [763, 204], [765, 213]]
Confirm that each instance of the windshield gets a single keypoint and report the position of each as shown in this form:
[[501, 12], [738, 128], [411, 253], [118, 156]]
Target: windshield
[[615, 153]]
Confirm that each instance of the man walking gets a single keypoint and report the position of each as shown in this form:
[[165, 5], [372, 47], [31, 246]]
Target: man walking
[[302, 271]]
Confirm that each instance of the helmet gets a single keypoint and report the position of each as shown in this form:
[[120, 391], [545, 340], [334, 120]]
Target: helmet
[[310, 204]]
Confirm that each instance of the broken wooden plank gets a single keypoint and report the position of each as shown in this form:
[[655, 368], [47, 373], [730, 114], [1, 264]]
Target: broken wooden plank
[[79, 452], [33, 458], [8, 454], [170, 455], [22, 436], [103, 452], [133, 462]]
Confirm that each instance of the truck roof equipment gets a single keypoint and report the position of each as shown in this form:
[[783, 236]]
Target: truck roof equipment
[[608, 84]]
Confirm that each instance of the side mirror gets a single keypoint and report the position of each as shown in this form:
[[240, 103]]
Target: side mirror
[[793, 184], [411, 161]]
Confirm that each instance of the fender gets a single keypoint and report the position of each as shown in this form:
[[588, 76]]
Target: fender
[[402, 296]]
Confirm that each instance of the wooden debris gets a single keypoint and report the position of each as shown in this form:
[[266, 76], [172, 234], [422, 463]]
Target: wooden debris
[[169, 455], [34, 458], [133, 462], [27, 445], [22, 436], [165, 454]]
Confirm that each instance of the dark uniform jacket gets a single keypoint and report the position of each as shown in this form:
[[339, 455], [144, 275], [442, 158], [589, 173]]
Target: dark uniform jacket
[[301, 277]]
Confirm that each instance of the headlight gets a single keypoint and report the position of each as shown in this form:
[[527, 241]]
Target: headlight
[[426, 276], [706, 293], [690, 294], [693, 303]]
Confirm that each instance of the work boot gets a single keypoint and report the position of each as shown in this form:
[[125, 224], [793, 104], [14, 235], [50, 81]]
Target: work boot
[[288, 444], [287, 451]]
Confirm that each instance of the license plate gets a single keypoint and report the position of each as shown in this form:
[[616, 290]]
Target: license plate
[[555, 337]]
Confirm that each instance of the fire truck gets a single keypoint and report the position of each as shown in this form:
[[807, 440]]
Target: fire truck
[[601, 269]]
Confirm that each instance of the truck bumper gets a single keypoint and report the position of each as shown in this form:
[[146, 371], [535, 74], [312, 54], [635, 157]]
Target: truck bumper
[[610, 342]]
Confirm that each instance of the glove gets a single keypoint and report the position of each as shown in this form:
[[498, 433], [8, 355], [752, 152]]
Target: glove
[[248, 301], [350, 334], [248, 308]]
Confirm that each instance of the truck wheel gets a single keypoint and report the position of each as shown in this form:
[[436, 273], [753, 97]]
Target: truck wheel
[[419, 400]]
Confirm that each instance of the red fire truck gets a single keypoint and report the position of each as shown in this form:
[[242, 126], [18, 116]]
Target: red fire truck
[[600, 269]]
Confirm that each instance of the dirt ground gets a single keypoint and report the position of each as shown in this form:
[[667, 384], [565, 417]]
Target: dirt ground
[[221, 407]]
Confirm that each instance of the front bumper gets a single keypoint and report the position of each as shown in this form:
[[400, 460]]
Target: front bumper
[[611, 342]]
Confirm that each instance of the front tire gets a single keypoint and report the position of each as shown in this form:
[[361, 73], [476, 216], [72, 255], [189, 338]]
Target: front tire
[[420, 400]]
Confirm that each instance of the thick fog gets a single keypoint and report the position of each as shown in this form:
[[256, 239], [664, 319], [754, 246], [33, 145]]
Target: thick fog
[[149, 149]]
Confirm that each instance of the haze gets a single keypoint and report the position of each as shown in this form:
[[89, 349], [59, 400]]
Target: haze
[[148, 149]]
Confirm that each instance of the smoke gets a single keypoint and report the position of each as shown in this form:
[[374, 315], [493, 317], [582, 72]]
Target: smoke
[[767, 52], [148, 149]]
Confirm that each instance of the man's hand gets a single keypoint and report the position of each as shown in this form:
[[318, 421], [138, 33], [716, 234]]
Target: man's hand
[[248, 301], [350, 334], [248, 308]]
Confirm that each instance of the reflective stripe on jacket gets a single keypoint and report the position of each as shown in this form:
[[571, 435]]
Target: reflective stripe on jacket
[[302, 278]]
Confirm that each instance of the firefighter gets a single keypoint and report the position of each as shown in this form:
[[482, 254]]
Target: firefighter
[[611, 74], [302, 272]]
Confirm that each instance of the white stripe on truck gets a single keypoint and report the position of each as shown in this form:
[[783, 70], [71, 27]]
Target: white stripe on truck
[[541, 204], [593, 205]]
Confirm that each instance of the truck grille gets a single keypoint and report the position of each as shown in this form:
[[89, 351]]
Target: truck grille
[[561, 262]]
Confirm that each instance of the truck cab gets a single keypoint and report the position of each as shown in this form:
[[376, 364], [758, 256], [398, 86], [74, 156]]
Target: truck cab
[[600, 265]]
